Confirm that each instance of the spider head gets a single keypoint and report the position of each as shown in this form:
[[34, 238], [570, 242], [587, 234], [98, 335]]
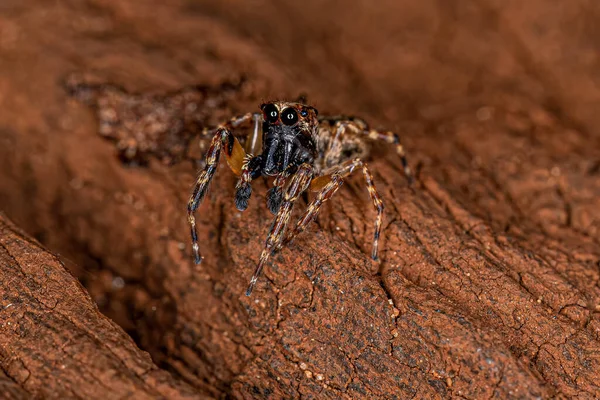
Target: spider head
[[288, 135], [289, 114]]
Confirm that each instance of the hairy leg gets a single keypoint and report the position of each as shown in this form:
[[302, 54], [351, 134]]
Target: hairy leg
[[392, 138], [275, 194], [223, 140], [358, 127], [234, 122], [252, 140], [326, 186], [298, 183]]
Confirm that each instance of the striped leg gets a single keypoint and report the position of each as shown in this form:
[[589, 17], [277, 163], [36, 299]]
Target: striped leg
[[327, 186], [233, 123], [378, 204], [359, 127], [299, 183], [335, 144], [253, 141], [333, 183], [275, 194], [392, 138], [235, 154]]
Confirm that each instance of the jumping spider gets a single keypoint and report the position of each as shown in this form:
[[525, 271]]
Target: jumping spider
[[303, 152]]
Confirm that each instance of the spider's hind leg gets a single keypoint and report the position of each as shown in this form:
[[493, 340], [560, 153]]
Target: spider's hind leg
[[351, 126], [392, 138]]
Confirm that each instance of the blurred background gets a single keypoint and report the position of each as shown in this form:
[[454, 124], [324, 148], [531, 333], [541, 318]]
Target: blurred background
[[389, 60]]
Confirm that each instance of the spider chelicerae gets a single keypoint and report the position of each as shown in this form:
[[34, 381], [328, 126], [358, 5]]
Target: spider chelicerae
[[303, 152]]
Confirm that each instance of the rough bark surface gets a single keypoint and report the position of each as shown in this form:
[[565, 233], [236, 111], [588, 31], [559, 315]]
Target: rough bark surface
[[489, 285], [55, 343]]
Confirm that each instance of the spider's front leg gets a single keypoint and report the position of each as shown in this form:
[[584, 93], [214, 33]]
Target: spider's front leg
[[275, 194], [298, 184], [223, 140]]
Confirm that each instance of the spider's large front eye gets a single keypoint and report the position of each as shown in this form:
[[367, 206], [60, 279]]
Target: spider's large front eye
[[289, 116], [271, 113]]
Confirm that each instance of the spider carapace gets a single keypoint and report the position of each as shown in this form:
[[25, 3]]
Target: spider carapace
[[303, 152]]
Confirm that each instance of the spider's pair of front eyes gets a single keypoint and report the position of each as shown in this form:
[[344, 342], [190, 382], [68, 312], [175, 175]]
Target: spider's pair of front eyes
[[289, 116]]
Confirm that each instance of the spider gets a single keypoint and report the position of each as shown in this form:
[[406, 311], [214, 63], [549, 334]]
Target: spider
[[303, 152]]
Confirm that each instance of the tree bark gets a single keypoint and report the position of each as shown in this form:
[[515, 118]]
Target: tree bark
[[55, 343], [488, 284], [11, 389]]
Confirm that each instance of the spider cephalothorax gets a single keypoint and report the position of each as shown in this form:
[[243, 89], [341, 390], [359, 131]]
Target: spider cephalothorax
[[303, 152], [288, 136]]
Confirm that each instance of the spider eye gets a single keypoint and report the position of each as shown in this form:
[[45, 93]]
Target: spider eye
[[304, 113], [271, 114], [289, 116]]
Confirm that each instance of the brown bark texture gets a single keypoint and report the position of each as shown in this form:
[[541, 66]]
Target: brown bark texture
[[489, 280], [55, 343]]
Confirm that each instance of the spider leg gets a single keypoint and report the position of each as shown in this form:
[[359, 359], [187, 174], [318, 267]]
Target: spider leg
[[331, 184], [359, 127], [253, 141], [239, 162], [233, 123], [392, 138], [275, 194], [335, 145], [235, 155], [326, 186], [299, 183]]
